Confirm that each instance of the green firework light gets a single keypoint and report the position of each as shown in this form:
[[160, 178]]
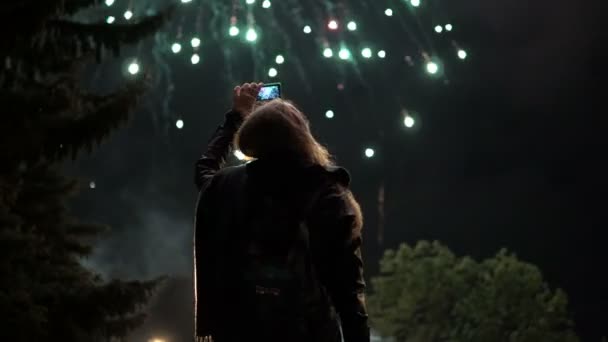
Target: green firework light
[[277, 32]]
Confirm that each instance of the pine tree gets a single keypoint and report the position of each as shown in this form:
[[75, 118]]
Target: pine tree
[[47, 116]]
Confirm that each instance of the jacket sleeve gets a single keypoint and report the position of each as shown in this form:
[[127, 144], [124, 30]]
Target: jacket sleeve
[[342, 271], [218, 149]]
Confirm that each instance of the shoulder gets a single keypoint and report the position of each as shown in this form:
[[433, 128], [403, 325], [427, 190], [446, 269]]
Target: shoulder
[[337, 196], [231, 171], [338, 174], [228, 174]]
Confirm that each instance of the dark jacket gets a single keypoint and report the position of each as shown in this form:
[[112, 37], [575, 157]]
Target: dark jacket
[[335, 240]]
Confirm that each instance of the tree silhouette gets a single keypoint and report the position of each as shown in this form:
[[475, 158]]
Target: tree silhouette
[[47, 115], [426, 293]]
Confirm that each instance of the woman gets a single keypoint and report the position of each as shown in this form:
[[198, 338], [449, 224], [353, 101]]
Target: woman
[[291, 174]]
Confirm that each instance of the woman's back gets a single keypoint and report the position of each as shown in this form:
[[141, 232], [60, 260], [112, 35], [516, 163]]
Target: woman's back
[[291, 176]]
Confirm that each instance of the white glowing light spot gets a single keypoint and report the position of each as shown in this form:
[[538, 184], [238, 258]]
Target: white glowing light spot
[[133, 68], [367, 53], [234, 31], [344, 54], [251, 35], [409, 121], [195, 59]]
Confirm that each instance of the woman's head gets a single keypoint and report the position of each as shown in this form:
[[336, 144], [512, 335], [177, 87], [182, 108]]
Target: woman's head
[[278, 129]]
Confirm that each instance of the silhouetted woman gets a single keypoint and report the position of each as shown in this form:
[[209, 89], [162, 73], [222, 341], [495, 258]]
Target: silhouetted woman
[[291, 179]]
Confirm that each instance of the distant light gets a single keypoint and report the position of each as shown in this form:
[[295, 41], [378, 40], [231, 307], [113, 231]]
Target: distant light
[[110, 20], [92, 185], [157, 340], [133, 68], [307, 29], [328, 53], [438, 29], [344, 53], [367, 53], [186, 1], [415, 3], [239, 155], [369, 152], [251, 36], [409, 60], [109, 2], [128, 14], [462, 54], [352, 26], [388, 12], [272, 72], [432, 67], [195, 59], [280, 59], [250, 2], [448, 27], [332, 25], [176, 47], [266, 4], [409, 121], [195, 42], [329, 114], [234, 31], [179, 124], [381, 53]]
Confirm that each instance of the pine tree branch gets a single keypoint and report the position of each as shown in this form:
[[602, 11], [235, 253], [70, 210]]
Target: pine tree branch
[[103, 114], [71, 7], [68, 120], [69, 41], [112, 36]]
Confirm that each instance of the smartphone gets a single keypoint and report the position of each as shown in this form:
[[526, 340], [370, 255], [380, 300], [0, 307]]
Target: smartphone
[[269, 92]]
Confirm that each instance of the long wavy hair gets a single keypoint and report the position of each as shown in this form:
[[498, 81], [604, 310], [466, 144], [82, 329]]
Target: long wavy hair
[[278, 129]]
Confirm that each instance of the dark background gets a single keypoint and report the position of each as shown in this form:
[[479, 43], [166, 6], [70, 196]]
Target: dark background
[[508, 151]]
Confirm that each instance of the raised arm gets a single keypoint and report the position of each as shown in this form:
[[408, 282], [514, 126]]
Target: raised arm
[[218, 149], [220, 144]]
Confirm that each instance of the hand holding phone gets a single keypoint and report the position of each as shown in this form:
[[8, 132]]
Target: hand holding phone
[[244, 97]]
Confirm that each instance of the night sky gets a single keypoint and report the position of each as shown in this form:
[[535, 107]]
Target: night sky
[[507, 151]]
